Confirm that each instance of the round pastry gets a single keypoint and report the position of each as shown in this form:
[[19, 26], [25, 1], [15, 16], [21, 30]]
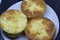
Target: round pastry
[[40, 29], [13, 21], [33, 8]]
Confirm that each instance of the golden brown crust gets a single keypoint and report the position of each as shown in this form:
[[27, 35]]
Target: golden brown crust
[[46, 30], [13, 21], [33, 8]]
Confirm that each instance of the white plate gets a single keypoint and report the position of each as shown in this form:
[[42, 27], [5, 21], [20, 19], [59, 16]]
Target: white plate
[[50, 13], [0, 1]]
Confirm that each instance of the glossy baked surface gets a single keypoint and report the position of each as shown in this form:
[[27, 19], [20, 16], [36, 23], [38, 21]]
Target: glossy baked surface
[[40, 29], [33, 8], [13, 21]]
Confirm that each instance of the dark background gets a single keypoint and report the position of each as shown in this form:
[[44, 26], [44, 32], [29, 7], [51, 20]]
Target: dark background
[[55, 4]]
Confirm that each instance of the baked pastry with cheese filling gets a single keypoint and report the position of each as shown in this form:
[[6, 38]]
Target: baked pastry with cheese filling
[[40, 29], [13, 21], [33, 8]]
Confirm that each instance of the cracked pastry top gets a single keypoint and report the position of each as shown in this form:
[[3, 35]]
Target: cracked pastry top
[[33, 8], [13, 21], [40, 29]]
